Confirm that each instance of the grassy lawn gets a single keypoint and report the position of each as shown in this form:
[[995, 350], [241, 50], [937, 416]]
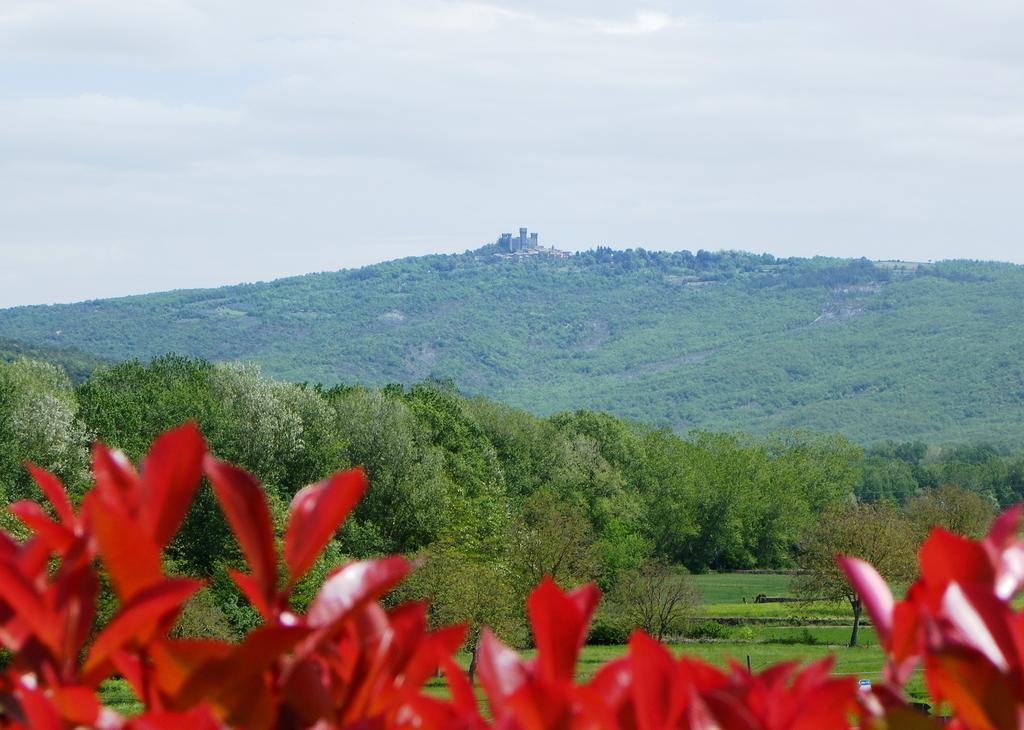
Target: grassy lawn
[[735, 587], [863, 663], [731, 596], [767, 632]]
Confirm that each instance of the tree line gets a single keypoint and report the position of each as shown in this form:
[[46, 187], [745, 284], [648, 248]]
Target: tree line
[[489, 498]]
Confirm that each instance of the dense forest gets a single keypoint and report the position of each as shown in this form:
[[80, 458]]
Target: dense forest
[[494, 496], [705, 341]]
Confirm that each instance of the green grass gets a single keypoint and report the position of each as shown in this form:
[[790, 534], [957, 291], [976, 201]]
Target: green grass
[[731, 596], [787, 638], [796, 612], [863, 662], [118, 695], [735, 587]]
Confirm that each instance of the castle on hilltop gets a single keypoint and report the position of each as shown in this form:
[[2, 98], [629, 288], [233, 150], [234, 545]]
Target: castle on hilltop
[[514, 245], [526, 244]]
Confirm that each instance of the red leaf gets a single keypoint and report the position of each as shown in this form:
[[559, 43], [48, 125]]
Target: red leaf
[[139, 618], [873, 591], [20, 594], [316, 512], [218, 680], [502, 672], [54, 491], [252, 590], [653, 673], [200, 718], [560, 622], [116, 480], [981, 620], [946, 558], [131, 557], [175, 661], [242, 499], [78, 705], [35, 518], [75, 602], [459, 687], [982, 696], [39, 711], [353, 585], [1006, 527], [308, 693], [170, 476]]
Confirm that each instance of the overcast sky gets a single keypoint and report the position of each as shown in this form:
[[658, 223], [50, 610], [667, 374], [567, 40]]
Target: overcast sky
[[156, 144]]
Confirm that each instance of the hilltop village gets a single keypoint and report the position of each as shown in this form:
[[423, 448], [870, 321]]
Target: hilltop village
[[526, 244]]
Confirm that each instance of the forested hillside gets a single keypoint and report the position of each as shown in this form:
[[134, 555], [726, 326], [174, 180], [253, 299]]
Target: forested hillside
[[727, 341], [77, 364]]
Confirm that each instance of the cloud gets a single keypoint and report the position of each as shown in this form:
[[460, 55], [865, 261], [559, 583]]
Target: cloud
[[264, 139], [641, 24]]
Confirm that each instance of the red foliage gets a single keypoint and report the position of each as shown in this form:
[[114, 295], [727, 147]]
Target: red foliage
[[349, 663]]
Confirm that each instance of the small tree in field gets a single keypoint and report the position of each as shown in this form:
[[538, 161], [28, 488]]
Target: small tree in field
[[878, 533], [463, 589], [657, 597]]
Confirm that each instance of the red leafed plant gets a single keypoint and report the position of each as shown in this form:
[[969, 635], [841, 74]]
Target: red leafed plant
[[349, 663]]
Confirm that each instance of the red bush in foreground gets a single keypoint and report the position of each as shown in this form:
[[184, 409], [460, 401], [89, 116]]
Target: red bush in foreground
[[350, 663]]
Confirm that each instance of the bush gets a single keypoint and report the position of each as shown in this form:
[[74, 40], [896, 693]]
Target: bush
[[708, 630], [348, 662], [201, 618], [609, 628]]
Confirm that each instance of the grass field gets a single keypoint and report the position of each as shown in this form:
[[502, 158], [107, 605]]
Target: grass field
[[768, 633], [735, 587]]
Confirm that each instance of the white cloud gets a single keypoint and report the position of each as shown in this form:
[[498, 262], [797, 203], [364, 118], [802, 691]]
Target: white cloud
[[270, 138], [641, 24]]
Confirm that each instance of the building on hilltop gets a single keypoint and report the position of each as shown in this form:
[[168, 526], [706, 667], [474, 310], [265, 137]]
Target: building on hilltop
[[525, 244]]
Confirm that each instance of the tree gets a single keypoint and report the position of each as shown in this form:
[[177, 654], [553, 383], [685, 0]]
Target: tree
[[877, 532], [130, 404], [463, 589], [951, 507], [657, 597], [285, 434], [38, 423], [410, 502], [886, 478], [553, 537]]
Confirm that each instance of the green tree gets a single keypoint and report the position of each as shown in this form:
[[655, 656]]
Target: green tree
[[952, 508], [285, 434], [462, 588], [128, 405], [411, 501], [876, 532], [39, 424], [886, 478], [552, 537]]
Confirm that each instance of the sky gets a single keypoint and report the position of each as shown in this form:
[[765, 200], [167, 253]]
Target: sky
[[158, 144]]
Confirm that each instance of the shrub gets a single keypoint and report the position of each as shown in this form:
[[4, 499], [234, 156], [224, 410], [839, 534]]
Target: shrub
[[347, 662], [708, 630], [609, 628]]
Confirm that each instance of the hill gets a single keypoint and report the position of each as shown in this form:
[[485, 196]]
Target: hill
[[76, 363], [718, 341]]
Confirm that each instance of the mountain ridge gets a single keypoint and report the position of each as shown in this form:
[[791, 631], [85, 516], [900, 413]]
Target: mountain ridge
[[726, 340]]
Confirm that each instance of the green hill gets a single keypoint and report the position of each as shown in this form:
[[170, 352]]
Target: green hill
[[76, 363], [718, 341]]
